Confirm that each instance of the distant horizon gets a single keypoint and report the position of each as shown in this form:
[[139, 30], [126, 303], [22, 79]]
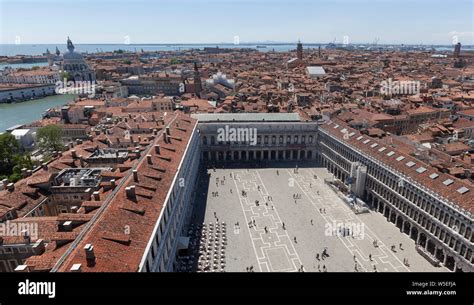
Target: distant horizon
[[241, 43]]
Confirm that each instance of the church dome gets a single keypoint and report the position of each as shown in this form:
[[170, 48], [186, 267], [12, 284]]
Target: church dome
[[71, 56]]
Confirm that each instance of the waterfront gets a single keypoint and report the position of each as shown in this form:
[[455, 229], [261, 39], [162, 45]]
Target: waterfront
[[39, 49], [29, 111], [24, 65]]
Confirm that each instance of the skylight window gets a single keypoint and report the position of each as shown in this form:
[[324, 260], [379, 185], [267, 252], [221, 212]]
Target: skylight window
[[382, 149], [420, 170], [366, 141], [463, 190], [410, 164], [434, 176], [448, 182], [400, 158], [391, 153], [359, 138]]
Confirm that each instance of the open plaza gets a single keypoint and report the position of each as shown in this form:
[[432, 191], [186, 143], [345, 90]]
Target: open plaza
[[284, 217]]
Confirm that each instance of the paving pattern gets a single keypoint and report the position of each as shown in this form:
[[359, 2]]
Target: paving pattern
[[271, 231]]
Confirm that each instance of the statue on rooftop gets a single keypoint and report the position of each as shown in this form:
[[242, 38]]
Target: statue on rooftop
[[70, 46]]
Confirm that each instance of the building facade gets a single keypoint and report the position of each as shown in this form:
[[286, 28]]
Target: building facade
[[441, 227]]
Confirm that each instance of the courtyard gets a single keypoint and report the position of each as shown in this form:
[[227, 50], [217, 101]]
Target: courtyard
[[281, 219]]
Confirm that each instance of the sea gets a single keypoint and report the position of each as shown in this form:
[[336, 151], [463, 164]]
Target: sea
[[40, 49]]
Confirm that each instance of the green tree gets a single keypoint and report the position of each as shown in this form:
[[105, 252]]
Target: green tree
[[175, 61], [49, 138], [21, 161], [9, 147], [64, 75]]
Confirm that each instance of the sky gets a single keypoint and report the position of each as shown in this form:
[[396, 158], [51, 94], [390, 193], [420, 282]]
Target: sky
[[217, 21]]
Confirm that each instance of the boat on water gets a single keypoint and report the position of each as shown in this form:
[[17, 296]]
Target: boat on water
[[261, 47]]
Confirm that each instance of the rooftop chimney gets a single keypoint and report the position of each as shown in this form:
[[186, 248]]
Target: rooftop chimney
[[168, 130], [157, 149], [130, 190], [67, 226], [11, 187], [38, 247], [96, 196], [135, 175], [5, 183], [73, 154], [112, 182], [90, 256], [26, 236], [45, 166], [148, 159]]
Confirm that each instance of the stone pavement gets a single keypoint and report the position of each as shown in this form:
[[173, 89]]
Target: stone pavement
[[256, 236]]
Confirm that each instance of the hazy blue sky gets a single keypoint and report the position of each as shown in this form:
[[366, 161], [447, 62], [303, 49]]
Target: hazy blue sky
[[207, 21]]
